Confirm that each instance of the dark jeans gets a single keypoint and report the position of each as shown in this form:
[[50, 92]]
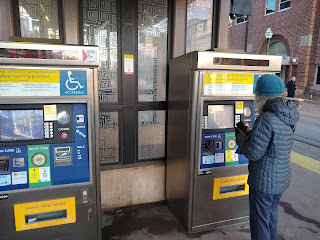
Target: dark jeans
[[263, 215], [291, 93]]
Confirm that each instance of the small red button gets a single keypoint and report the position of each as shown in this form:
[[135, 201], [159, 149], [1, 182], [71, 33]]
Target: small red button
[[248, 124], [64, 135]]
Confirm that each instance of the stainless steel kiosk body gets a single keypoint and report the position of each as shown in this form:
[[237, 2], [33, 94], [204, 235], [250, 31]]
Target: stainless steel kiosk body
[[209, 92], [49, 165]]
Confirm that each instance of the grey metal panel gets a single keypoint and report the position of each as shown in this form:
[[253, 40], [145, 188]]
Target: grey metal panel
[[206, 61], [53, 62], [209, 211], [177, 187], [71, 22]]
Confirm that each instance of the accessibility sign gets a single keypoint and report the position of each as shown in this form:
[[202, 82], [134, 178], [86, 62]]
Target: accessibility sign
[[73, 83]]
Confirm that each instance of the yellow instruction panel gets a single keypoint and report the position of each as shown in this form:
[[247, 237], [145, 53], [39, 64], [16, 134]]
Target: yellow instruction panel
[[229, 83], [45, 213], [228, 187]]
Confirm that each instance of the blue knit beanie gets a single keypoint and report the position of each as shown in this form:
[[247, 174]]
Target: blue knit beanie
[[269, 85]]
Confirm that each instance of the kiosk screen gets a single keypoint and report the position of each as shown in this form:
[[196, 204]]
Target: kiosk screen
[[21, 124], [220, 116]]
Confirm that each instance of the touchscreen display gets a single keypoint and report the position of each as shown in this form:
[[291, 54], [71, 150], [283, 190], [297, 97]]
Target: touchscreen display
[[21, 125], [220, 116]]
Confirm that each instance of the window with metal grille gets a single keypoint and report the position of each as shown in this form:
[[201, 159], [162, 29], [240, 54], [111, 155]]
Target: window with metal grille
[[38, 19]]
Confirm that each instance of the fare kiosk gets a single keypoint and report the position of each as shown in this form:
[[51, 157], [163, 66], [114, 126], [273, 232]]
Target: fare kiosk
[[209, 93], [49, 165]]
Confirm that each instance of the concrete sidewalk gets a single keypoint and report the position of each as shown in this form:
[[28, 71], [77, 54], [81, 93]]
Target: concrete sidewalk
[[299, 217]]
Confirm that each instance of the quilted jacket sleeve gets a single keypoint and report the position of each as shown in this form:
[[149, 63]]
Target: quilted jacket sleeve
[[255, 146]]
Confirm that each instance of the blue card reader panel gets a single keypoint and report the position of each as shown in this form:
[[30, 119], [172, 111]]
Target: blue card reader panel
[[212, 150], [22, 166]]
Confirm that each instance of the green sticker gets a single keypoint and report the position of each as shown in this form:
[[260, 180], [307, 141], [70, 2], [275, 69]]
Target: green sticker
[[39, 166], [230, 148]]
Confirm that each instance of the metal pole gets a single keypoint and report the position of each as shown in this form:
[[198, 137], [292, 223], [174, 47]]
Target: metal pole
[[268, 43]]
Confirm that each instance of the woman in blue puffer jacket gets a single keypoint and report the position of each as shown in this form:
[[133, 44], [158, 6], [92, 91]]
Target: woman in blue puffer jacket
[[268, 146]]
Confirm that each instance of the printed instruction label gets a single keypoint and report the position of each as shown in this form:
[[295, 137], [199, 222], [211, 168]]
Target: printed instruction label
[[228, 83], [19, 178], [89, 56], [29, 82], [128, 64], [208, 159], [219, 157], [5, 180]]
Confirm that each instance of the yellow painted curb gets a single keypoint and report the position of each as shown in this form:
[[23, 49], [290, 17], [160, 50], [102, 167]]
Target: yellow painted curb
[[305, 162]]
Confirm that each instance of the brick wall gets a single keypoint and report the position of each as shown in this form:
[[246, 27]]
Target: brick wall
[[303, 18]]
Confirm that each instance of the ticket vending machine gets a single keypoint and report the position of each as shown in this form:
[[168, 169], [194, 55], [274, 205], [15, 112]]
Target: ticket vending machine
[[209, 92], [49, 168]]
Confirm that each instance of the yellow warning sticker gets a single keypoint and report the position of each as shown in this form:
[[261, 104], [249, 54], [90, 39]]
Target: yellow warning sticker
[[228, 83], [29, 76], [128, 64], [50, 112], [29, 82], [34, 175], [228, 78], [228, 155], [239, 107]]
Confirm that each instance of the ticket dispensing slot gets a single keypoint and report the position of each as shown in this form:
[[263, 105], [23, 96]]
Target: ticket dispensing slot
[[47, 216], [45, 213], [228, 187]]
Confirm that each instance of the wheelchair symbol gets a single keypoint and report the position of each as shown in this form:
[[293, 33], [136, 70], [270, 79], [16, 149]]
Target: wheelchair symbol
[[72, 81]]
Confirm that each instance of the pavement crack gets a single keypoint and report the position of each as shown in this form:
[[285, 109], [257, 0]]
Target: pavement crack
[[288, 209]]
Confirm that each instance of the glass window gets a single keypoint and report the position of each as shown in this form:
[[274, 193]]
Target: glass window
[[199, 25], [39, 19], [270, 6], [152, 50], [151, 134], [242, 19], [109, 137], [278, 48], [100, 26], [284, 4]]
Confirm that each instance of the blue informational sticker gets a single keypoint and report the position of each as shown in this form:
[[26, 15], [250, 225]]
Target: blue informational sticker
[[208, 159], [73, 83], [5, 180]]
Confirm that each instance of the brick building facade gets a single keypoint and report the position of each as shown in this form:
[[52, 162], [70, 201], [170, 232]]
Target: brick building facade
[[296, 36]]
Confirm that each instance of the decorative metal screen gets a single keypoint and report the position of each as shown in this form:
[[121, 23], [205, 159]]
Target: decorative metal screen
[[199, 25], [100, 27], [152, 50], [109, 137], [151, 134], [39, 19]]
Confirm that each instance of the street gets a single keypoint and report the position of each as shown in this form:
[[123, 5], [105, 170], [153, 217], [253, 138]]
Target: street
[[307, 133]]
